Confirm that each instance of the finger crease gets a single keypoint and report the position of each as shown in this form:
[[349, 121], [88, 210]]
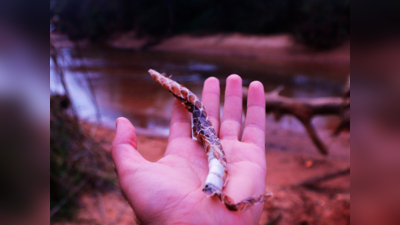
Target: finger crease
[[211, 93], [229, 120], [256, 106], [181, 124], [233, 96], [254, 125]]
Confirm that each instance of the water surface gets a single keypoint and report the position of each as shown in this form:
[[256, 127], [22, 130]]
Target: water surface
[[122, 86]]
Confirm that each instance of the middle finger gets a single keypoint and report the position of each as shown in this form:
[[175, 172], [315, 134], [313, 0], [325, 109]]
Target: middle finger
[[232, 115]]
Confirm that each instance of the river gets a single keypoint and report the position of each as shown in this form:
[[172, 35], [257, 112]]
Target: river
[[122, 87]]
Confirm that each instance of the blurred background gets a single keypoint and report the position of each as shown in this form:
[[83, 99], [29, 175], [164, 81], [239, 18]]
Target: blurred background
[[100, 52]]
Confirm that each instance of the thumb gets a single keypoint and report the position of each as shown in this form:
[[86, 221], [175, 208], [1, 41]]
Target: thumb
[[125, 133], [124, 147]]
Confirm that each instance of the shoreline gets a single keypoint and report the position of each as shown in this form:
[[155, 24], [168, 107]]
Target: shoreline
[[273, 48]]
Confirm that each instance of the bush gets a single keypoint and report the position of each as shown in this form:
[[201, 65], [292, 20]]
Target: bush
[[76, 161]]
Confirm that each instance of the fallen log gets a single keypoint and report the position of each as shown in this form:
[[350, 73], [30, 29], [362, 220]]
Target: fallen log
[[306, 108]]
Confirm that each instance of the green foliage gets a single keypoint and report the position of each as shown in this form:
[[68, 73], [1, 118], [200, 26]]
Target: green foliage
[[76, 161], [310, 20]]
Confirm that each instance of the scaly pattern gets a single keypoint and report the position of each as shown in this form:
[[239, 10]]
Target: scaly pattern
[[205, 133]]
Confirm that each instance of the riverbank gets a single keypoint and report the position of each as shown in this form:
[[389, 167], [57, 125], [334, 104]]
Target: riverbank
[[278, 54], [276, 48]]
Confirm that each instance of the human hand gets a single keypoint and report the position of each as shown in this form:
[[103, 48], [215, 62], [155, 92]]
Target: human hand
[[170, 190]]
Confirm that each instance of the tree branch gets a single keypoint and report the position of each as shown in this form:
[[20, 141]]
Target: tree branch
[[305, 109]]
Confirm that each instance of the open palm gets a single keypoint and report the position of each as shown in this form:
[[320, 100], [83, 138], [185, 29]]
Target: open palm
[[170, 190]]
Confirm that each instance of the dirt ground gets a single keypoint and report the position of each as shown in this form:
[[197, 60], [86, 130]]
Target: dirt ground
[[324, 203]]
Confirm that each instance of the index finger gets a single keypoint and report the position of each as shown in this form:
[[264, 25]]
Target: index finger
[[210, 99]]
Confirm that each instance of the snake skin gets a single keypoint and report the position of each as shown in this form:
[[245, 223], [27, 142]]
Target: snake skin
[[205, 133]]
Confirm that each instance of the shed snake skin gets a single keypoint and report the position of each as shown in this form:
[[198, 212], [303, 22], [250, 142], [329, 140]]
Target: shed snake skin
[[204, 132]]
